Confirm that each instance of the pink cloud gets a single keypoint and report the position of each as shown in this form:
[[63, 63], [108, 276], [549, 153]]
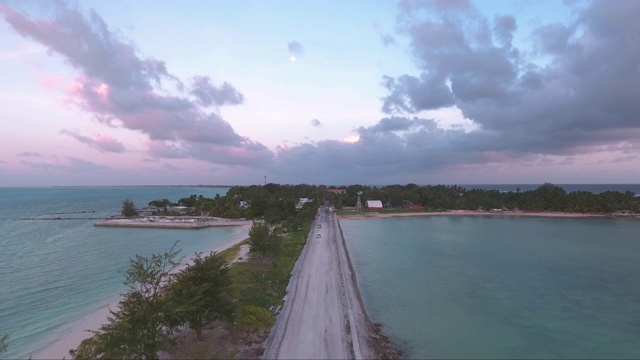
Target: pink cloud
[[101, 142], [123, 89]]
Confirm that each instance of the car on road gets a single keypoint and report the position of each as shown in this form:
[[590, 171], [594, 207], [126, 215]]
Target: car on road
[[319, 236]]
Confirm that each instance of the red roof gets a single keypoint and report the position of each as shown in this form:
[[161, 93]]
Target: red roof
[[337, 191]]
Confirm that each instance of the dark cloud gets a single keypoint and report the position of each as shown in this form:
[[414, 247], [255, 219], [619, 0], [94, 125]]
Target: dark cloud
[[207, 94], [29, 154], [121, 88], [316, 123], [583, 98], [585, 95], [295, 48], [101, 142]]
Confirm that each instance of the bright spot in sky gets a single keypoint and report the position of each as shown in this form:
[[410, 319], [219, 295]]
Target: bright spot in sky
[[292, 58], [352, 139]]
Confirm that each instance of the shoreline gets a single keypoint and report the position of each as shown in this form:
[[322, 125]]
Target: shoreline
[[370, 340], [554, 214], [171, 222], [59, 349]]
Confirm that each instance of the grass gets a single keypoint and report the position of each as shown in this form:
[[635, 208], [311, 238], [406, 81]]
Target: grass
[[257, 286]]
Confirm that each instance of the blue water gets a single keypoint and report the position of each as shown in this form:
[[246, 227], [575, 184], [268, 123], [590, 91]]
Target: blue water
[[593, 188], [55, 272], [483, 287]]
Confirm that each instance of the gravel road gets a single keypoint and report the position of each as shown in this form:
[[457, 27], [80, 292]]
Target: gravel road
[[317, 319]]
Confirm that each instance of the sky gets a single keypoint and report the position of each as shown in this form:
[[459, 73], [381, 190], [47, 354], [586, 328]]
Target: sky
[[319, 92]]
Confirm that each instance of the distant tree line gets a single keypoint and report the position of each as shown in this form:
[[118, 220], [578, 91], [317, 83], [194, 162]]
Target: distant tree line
[[276, 204]]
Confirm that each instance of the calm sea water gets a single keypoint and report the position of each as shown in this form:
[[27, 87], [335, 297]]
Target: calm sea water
[[482, 287], [53, 273], [594, 188]]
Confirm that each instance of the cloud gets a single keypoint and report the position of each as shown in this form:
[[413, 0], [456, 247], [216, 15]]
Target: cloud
[[207, 94], [387, 39], [295, 48], [101, 142], [122, 89], [29, 154], [582, 101], [586, 94], [71, 165], [316, 123]]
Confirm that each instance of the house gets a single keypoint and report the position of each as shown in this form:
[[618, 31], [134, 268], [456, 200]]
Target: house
[[148, 211], [178, 209], [337, 191], [374, 205], [301, 202]]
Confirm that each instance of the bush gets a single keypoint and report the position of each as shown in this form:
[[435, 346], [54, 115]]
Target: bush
[[255, 319]]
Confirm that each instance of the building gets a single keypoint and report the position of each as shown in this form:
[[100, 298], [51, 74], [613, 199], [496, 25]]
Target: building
[[301, 202], [374, 205], [337, 191]]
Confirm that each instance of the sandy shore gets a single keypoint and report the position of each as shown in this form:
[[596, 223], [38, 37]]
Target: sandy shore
[[60, 349], [370, 215]]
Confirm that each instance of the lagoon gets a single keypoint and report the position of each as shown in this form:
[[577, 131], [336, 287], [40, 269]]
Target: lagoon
[[496, 287]]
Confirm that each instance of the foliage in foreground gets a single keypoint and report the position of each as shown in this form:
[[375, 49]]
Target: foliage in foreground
[[157, 302]]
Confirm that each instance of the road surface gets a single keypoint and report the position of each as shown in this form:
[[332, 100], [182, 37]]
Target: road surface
[[317, 320]]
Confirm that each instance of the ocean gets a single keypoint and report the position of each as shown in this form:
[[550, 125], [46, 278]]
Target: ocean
[[501, 287], [593, 188], [57, 269]]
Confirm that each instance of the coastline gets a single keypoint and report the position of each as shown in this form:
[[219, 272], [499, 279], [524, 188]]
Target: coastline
[[60, 348], [171, 222], [556, 214], [369, 339]]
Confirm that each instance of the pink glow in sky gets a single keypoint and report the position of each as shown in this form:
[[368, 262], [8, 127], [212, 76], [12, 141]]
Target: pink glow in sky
[[106, 93]]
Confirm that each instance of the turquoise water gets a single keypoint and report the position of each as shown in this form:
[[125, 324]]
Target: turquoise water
[[53, 273], [482, 287]]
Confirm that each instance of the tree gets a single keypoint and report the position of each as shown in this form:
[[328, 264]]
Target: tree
[[200, 290], [128, 208], [144, 322], [262, 238]]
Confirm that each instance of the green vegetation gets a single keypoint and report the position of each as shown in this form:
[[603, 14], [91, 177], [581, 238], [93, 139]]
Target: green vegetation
[[263, 238], [276, 204], [208, 295], [128, 208], [159, 301]]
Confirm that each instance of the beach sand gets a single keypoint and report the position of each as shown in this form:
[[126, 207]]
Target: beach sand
[[60, 349]]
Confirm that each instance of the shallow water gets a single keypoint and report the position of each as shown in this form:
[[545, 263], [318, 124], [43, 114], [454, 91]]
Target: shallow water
[[482, 287], [53, 273]]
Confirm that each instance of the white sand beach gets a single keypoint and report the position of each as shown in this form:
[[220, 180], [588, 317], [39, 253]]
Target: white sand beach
[[60, 349]]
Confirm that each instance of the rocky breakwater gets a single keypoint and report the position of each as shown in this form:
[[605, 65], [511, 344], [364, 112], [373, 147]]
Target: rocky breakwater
[[171, 222]]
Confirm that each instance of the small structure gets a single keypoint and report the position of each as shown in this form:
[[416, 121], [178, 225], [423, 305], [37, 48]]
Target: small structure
[[374, 205], [301, 202], [243, 204], [148, 211], [337, 191], [178, 209]]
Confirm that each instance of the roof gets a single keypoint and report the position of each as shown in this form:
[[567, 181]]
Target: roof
[[374, 204]]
